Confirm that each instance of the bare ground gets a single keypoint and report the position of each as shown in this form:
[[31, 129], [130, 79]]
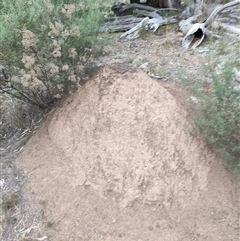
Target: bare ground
[[118, 160]]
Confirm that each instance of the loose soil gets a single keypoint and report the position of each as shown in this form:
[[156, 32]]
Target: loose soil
[[118, 159]]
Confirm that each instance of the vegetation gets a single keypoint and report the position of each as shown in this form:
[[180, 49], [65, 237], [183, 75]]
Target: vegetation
[[44, 54], [220, 119], [45, 47]]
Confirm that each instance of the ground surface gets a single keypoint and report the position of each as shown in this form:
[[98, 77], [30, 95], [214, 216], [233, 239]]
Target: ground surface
[[118, 160]]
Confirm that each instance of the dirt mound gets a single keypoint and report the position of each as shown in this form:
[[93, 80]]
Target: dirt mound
[[117, 162]]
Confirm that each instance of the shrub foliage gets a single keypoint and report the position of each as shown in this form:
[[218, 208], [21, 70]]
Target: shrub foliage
[[44, 45], [220, 122]]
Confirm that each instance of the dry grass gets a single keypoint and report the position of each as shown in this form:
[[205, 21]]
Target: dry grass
[[18, 220]]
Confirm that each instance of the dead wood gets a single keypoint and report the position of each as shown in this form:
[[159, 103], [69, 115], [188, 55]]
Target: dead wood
[[219, 9], [120, 24], [230, 28], [127, 7], [231, 11], [199, 29], [147, 24], [199, 7], [149, 14], [200, 16], [125, 23]]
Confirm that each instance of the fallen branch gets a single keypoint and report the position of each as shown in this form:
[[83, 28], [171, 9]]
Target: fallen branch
[[230, 28], [125, 23], [232, 11], [126, 7], [219, 9], [149, 14], [120, 24], [135, 30], [148, 24]]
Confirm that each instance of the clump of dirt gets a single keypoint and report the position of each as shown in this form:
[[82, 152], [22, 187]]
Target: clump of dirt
[[116, 161]]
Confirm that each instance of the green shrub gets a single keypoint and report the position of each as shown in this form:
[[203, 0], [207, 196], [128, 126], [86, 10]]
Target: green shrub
[[44, 45], [220, 120]]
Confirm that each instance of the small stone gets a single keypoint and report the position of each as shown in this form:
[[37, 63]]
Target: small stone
[[193, 99], [144, 66]]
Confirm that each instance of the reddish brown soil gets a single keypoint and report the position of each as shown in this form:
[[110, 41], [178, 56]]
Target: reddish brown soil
[[117, 161]]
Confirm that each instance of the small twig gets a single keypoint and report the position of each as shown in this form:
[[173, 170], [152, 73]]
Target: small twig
[[22, 95], [4, 74], [149, 14]]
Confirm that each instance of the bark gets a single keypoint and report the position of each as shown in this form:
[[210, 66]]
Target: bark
[[120, 24], [218, 10], [147, 24]]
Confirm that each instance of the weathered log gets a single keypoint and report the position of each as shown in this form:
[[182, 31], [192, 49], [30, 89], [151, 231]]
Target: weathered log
[[230, 28], [120, 9], [147, 24], [218, 10], [135, 30], [148, 14], [124, 23], [199, 22], [120, 24]]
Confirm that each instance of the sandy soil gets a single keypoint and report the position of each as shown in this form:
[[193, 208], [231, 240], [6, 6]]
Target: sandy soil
[[117, 161]]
